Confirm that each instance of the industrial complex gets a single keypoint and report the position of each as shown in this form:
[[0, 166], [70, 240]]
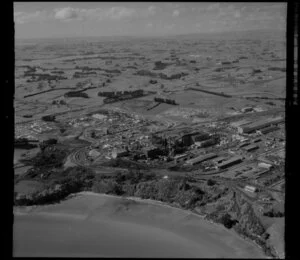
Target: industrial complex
[[197, 124]]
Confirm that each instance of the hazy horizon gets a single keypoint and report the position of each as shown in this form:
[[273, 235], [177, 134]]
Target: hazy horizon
[[153, 36], [43, 20]]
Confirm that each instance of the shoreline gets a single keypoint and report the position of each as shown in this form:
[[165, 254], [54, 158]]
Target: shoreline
[[160, 203], [19, 210]]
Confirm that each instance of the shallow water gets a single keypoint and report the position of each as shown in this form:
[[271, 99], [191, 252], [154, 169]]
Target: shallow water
[[102, 226], [17, 154]]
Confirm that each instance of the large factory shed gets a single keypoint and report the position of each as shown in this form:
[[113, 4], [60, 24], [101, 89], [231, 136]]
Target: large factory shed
[[240, 123], [219, 159], [269, 129], [201, 158], [191, 138], [260, 124], [251, 147], [152, 151], [200, 137], [119, 153], [230, 162]]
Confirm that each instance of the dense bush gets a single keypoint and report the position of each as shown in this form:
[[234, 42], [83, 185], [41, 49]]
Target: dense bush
[[49, 118], [47, 143], [250, 221], [81, 174], [50, 195], [198, 191], [50, 157], [129, 189], [274, 214], [227, 221], [211, 182], [193, 201], [134, 176], [146, 190], [170, 191], [120, 163], [76, 94], [23, 143], [108, 187], [184, 185], [268, 250], [158, 65], [61, 184], [153, 81], [100, 187]]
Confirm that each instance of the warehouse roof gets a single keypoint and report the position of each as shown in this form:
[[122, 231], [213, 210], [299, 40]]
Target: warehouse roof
[[201, 158], [149, 148], [264, 122], [220, 158], [269, 128], [178, 156], [251, 147], [233, 159], [240, 123]]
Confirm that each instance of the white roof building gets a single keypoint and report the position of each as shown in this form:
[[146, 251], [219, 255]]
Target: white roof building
[[240, 123], [264, 165], [94, 153], [99, 116], [250, 188]]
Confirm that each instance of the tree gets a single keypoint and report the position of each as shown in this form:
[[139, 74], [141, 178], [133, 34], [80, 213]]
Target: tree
[[47, 143], [227, 221], [211, 182], [114, 188], [49, 118], [62, 130], [184, 185], [198, 191]]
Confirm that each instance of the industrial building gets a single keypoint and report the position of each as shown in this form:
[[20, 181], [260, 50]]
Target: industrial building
[[265, 160], [268, 129], [99, 116], [181, 157], [152, 151], [201, 158], [259, 125], [94, 153], [244, 144], [265, 165], [240, 123], [219, 159], [225, 62], [191, 138], [247, 109], [230, 162], [206, 143], [250, 188], [209, 142], [200, 137], [251, 147], [187, 139], [119, 153]]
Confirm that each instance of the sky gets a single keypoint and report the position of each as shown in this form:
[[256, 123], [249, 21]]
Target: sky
[[81, 19]]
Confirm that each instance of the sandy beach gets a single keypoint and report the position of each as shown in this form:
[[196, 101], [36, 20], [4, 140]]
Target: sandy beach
[[97, 225]]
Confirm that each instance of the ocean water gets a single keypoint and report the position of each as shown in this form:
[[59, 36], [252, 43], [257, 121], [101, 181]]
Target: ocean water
[[100, 226]]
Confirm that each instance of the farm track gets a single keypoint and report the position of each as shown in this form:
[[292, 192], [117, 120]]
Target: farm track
[[210, 92], [55, 89]]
